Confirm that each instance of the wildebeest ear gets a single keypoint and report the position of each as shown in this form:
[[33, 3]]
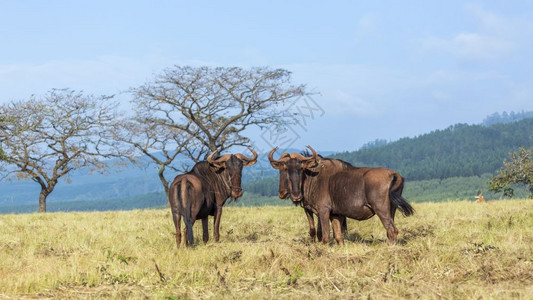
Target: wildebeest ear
[[218, 165], [309, 164], [278, 165], [248, 163], [220, 162]]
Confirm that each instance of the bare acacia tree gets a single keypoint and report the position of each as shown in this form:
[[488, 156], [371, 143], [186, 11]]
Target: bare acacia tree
[[46, 138], [214, 106]]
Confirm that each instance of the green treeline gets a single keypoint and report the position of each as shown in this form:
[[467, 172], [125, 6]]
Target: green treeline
[[264, 187], [458, 151]]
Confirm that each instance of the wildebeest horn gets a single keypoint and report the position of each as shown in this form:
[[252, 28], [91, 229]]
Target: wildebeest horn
[[248, 161], [219, 162], [315, 156], [276, 164], [271, 155], [308, 161], [311, 162], [305, 158], [210, 157]]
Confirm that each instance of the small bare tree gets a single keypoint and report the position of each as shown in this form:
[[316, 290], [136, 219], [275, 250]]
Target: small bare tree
[[45, 138], [214, 106]]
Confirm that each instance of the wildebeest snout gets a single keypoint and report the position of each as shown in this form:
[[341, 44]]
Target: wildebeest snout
[[236, 192], [296, 197]]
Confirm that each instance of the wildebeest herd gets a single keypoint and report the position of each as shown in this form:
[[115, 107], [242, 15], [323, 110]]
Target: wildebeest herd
[[331, 189]]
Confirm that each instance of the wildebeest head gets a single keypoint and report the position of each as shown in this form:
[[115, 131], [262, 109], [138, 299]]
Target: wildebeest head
[[231, 165], [283, 188], [292, 167]]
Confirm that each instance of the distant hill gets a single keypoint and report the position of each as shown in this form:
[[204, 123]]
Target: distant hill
[[458, 151]]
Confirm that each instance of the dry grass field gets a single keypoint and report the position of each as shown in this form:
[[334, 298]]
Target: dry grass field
[[454, 250]]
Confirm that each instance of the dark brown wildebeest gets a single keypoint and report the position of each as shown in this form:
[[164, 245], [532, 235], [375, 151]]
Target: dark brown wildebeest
[[203, 191], [335, 189], [284, 193]]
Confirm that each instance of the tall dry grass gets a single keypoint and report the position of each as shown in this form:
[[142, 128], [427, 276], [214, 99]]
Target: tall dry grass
[[456, 250]]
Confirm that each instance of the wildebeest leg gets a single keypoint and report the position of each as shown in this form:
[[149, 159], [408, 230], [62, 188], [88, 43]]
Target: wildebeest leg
[[344, 225], [176, 217], [310, 219], [218, 214], [185, 240], [336, 223], [318, 229], [188, 240], [205, 227], [384, 214], [175, 211], [323, 217]]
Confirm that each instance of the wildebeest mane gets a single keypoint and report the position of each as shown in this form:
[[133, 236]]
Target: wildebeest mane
[[343, 164], [308, 153], [216, 179]]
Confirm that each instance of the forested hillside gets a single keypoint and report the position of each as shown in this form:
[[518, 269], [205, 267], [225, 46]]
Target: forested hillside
[[459, 151]]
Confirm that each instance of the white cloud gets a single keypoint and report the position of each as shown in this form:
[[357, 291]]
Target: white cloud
[[496, 37], [344, 103], [462, 77], [102, 75], [500, 25], [352, 90], [472, 46]]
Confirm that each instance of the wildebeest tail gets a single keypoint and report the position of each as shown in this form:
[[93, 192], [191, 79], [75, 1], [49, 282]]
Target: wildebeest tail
[[185, 203], [396, 198]]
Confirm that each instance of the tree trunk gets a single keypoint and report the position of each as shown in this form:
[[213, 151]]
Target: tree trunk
[[45, 191], [42, 201], [164, 182]]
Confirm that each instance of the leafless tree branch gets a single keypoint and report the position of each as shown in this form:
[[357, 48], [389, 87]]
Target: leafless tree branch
[[214, 106]]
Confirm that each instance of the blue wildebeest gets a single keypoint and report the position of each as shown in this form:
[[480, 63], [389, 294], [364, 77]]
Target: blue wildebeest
[[203, 191], [334, 189]]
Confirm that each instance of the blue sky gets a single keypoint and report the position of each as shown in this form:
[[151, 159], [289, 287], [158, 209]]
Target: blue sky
[[385, 70]]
